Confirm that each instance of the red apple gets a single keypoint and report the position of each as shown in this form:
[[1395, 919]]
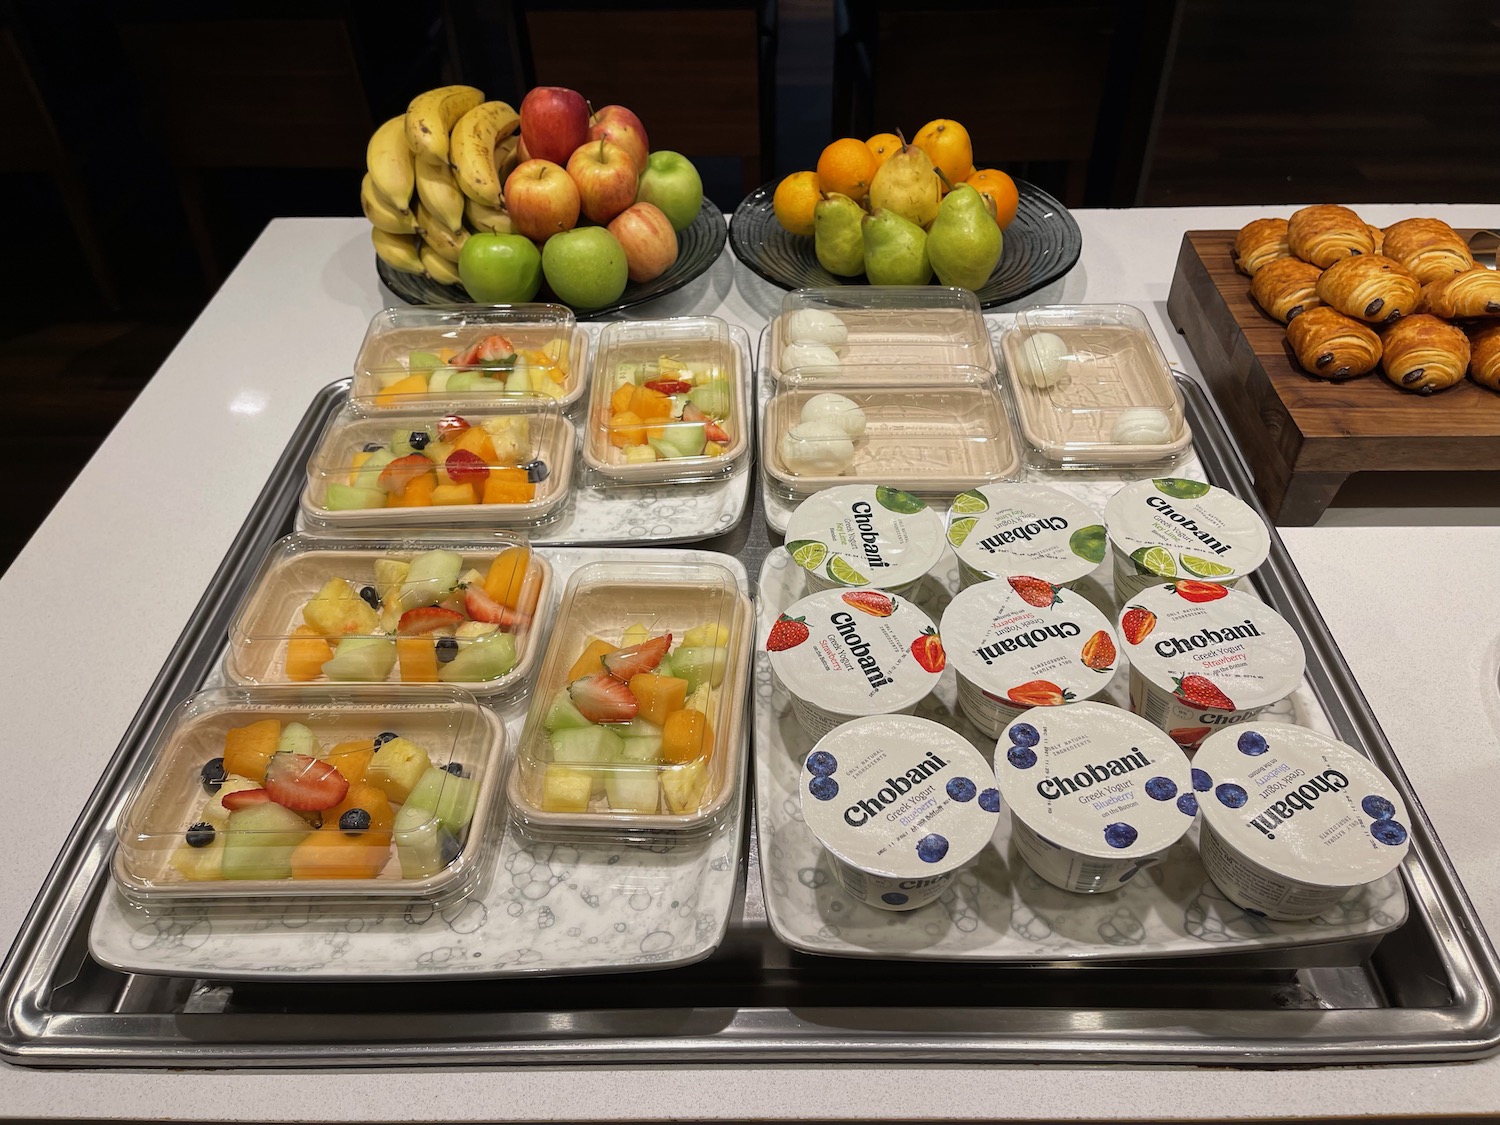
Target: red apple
[[648, 239], [523, 153], [541, 199], [554, 122], [617, 124], [605, 176]]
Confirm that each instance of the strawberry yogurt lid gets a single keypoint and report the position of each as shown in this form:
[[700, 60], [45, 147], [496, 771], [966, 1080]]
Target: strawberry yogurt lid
[[865, 535], [899, 796], [1096, 780], [1173, 527], [856, 652], [1212, 647], [1301, 804], [1029, 643], [1005, 528]]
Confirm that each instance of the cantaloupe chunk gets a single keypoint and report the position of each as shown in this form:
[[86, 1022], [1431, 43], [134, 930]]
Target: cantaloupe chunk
[[453, 494], [306, 653], [508, 486], [646, 403], [332, 854], [248, 749], [626, 429], [477, 441], [418, 660], [372, 799], [507, 574], [686, 736], [411, 385], [619, 402], [588, 663], [351, 759], [658, 696], [417, 493]]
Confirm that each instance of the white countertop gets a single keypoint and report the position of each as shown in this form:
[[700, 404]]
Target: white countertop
[[101, 593]]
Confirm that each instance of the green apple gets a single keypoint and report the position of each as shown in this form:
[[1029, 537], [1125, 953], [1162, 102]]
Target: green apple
[[585, 267], [500, 269], [671, 183]]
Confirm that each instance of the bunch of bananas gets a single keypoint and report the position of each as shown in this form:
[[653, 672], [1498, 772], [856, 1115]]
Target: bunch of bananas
[[454, 150]]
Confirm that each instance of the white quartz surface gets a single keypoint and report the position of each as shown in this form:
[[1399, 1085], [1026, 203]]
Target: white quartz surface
[[100, 594]]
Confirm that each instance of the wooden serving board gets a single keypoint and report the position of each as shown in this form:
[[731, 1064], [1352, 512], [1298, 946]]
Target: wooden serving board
[[1303, 436]]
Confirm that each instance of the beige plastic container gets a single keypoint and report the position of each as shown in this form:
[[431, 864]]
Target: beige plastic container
[[1012, 528], [608, 781], [298, 567], [860, 535]]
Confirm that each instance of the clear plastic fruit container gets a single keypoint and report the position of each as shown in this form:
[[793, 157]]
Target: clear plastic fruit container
[[669, 401], [1092, 386], [458, 612], [880, 334], [265, 830], [415, 357], [485, 467], [616, 746]]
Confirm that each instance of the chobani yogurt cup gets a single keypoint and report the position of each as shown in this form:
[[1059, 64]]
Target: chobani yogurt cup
[[1025, 643], [900, 804], [1003, 529], [1175, 528], [1294, 819], [859, 535], [1203, 656], [848, 654], [1095, 794]]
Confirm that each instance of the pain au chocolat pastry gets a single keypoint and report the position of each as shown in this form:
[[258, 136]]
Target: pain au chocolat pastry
[[1326, 232], [1424, 354], [1258, 242], [1484, 357], [1377, 236], [1333, 346], [1429, 248], [1285, 287], [1474, 292], [1370, 287]]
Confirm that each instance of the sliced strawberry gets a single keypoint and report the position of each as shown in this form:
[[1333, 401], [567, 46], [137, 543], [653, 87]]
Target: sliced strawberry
[[669, 386], [714, 432], [304, 784], [488, 350], [466, 467], [1195, 591], [482, 607], [427, 619], [402, 471], [1137, 623], [450, 426], [601, 698], [639, 658], [690, 413], [1034, 590], [244, 798]]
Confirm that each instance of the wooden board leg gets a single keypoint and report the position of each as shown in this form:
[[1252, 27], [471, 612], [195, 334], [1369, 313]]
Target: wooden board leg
[[1306, 496]]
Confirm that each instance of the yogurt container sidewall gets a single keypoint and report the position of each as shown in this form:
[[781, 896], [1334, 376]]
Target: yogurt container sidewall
[[1026, 529], [887, 537], [885, 893], [1215, 527]]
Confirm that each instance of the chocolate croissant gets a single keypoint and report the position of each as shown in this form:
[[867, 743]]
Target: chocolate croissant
[[1474, 292], [1370, 287], [1258, 242], [1424, 354], [1484, 358], [1326, 232], [1331, 345], [1285, 287], [1377, 236], [1429, 248]]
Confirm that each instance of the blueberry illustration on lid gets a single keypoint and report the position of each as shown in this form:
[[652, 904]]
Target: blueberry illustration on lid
[[1022, 757], [989, 800], [1388, 832], [1231, 795], [1378, 807], [1188, 804], [823, 788], [1161, 788], [1201, 781], [1024, 734], [962, 789], [820, 763], [932, 848], [1252, 742], [894, 898], [1119, 835]]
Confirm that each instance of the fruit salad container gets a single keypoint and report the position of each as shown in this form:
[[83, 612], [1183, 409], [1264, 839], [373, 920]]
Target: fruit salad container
[[1013, 528], [669, 401], [415, 469], [636, 727], [888, 335], [461, 355], [462, 613], [335, 796], [865, 535], [1092, 386]]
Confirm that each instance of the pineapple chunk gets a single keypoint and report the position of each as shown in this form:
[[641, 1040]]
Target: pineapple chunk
[[389, 574], [706, 636], [639, 454], [566, 790], [396, 768], [636, 634], [684, 786], [337, 610]]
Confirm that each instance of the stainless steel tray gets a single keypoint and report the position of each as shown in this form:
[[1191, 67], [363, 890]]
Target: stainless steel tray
[[1427, 992]]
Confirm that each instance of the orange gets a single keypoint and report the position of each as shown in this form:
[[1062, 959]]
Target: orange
[[884, 146], [847, 166], [795, 198], [1001, 189], [947, 145]]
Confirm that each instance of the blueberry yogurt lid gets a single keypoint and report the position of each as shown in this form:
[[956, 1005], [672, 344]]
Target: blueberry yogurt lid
[[865, 535], [899, 796], [1004, 528], [1170, 527]]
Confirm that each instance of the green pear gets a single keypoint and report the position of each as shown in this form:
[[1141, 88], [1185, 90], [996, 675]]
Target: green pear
[[964, 242], [836, 235], [895, 250], [907, 184]]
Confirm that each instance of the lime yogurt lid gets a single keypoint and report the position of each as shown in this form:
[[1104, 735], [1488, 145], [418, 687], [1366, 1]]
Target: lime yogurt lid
[[1173, 527], [1004, 529], [865, 535]]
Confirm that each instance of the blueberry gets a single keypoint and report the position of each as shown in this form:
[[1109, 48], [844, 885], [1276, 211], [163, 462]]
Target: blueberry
[[823, 788], [371, 596], [536, 471], [213, 774], [447, 649], [1022, 757], [1231, 795], [989, 800], [1161, 788], [893, 898], [1024, 734], [932, 848], [373, 446], [1378, 807], [354, 820], [200, 835], [1252, 742], [448, 847], [1119, 835], [383, 737], [418, 439], [962, 789], [820, 763], [1388, 832], [456, 769], [1201, 781], [1187, 804]]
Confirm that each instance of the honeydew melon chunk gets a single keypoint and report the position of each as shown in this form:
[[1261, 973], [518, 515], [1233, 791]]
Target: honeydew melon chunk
[[423, 362], [439, 380], [363, 659], [346, 498], [297, 739], [562, 715], [432, 577], [368, 473], [213, 810], [448, 797], [421, 842], [401, 441], [632, 790], [396, 768], [700, 665], [484, 658], [585, 745], [566, 789], [702, 699], [641, 748], [712, 397], [259, 841], [518, 382], [640, 455], [462, 382], [684, 439]]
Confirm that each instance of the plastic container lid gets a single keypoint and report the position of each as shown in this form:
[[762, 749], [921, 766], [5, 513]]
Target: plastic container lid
[[414, 357], [425, 838], [1004, 529], [669, 401], [1092, 385], [635, 727], [1170, 527], [865, 535]]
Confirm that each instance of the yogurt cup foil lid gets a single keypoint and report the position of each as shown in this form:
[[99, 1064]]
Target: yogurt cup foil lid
[[1005, 529], [899, 796], [1301, 804], [865, 535], [1173, 528], [1212, 647], [1096, 780]]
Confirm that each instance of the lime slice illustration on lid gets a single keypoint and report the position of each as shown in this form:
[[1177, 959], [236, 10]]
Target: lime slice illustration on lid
[[959, 530], [1089, 543], [898, 500], [808, 553], [840, 571], [973, 502], [1181, 489], [1154, 560], [1204, 568]]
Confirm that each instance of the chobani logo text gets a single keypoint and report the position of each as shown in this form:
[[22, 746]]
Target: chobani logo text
[[1029, 639], [895, 788], [1188, 524], [1023, 532], [1054, 787], [1203, 638], [859, 649], [1298, 800], [869, 539]]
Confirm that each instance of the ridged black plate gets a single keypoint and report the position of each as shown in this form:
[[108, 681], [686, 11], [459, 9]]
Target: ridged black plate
[[698, 247], [1041, 244]]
